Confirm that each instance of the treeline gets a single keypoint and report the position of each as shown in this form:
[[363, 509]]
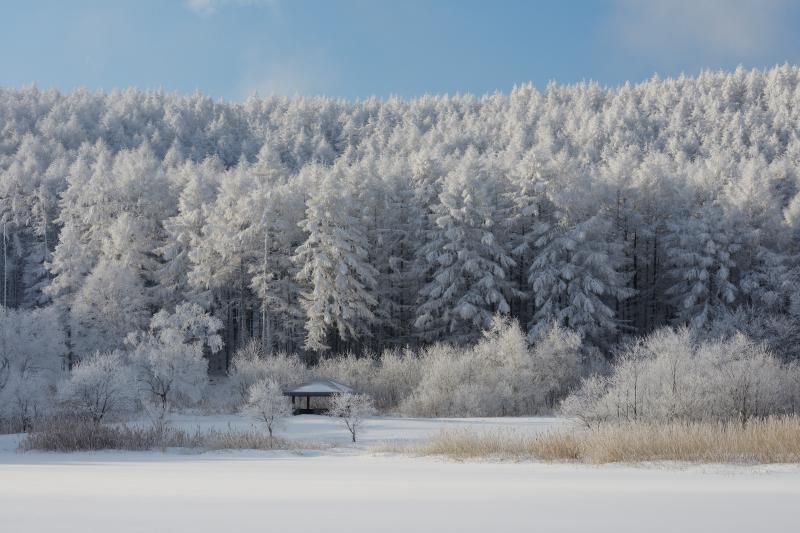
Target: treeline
[[668, 376], [327, 226]]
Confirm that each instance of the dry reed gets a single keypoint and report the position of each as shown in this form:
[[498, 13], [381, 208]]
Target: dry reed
[[771, 440]]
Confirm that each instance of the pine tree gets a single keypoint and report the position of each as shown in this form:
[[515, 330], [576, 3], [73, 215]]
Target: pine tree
[[341, 283], [470, 266], [531, 215], [183, 232], [576, 278], [701, 249]]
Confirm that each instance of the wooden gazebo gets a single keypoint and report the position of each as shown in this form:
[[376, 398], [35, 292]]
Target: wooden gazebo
[[317, 388]]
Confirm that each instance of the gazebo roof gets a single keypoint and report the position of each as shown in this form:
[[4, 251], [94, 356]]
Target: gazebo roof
[[319, 387]]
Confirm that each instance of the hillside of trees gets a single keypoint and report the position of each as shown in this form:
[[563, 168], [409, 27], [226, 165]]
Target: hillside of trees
[[326, 226]]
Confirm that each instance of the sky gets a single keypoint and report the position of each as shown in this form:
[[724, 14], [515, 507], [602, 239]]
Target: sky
[[355, 49]]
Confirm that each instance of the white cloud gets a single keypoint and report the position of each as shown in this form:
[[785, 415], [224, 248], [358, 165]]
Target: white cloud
[[206, 8], [713, 29]]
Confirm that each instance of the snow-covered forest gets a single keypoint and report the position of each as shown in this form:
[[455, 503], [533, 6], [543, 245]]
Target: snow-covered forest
[[326, 226]]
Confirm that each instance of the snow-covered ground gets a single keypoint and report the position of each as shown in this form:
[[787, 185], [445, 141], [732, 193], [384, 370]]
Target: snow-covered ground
[[378, 430], [352, 490]]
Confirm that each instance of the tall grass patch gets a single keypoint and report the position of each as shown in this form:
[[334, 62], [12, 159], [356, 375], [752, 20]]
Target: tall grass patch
[[770, 440]]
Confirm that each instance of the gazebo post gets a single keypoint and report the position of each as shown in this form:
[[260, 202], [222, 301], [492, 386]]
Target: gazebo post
[[308, 403]]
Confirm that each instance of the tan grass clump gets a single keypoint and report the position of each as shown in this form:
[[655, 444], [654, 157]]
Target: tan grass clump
[[252, 440], [771, 440]]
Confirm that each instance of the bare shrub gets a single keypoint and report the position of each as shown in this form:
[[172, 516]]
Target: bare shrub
[[79, 434]]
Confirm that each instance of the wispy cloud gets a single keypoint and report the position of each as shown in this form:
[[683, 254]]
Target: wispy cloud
[[714, 29], [305, 76], [285, 79], [206, 8]]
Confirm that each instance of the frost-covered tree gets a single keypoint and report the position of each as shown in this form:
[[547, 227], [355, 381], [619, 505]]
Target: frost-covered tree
[[184, 230], [352, 410], [82, 208], [340, 299], [577, 278], [169, 357], [530, 217], [754, 209], [702, 249], [110, 304], [470, 267], [228, 245], [32, 350], [278, 210], [201, 200], [267, 404]]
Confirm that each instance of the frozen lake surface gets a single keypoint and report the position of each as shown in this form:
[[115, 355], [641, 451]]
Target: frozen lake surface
[[351, 490]]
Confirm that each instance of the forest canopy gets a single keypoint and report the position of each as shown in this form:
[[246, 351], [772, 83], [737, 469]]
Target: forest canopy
[[328, 226]]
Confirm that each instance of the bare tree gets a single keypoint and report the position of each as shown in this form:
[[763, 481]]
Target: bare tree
[[352, 409]]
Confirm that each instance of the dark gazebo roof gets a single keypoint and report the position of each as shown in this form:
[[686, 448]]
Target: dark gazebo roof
[[319, 387]]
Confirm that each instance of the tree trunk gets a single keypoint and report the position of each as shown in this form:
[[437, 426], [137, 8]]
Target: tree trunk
[[241, 314], [5, 267]]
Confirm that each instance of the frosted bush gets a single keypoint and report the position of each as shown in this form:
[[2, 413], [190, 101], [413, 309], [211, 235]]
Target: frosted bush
[[398, 374], [356, 372], [388, 379], [556, 366], [434, 396], [671, 376], [251, 365], [500, 376], [25, 398], [746, 380], [100, 386]]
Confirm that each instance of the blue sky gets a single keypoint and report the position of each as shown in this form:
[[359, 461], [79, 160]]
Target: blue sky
[[359, 48]]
